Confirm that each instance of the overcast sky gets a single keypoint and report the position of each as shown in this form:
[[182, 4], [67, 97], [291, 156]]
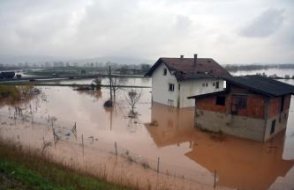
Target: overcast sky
[[230, 31]]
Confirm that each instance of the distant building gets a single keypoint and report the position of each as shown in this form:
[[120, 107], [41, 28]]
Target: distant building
[[252, 107], [175, 79]]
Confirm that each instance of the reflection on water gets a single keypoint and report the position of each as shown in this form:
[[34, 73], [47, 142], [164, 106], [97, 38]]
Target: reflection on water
[[245, 165], [238, 163], [94, 93], [171, 125], [158, 131]]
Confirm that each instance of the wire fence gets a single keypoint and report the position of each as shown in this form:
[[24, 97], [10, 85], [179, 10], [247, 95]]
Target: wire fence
[[71, 135]]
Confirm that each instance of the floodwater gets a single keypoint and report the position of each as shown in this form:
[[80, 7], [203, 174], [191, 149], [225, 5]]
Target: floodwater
[[159, 134], [271, 71]]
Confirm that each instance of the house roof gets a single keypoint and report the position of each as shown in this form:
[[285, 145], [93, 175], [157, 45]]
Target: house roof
[[263, 85], [258, 84], [199, 96], [185, 69]]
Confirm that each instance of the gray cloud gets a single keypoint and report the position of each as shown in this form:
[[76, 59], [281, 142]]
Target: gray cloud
[[183, 23], [144, 29], [265, 24]]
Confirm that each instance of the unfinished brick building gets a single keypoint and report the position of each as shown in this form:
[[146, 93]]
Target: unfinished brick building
[[252, 107]]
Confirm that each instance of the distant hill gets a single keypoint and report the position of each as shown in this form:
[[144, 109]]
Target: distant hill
[[6, 59], [114, 59]]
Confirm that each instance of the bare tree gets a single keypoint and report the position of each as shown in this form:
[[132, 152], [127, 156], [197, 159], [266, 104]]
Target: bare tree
[[133, 98], [109, 103], [113, 84], [96, 83], [113, 87], [110, 83]]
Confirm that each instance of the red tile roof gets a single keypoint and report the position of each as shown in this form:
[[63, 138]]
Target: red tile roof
[[185, 69]]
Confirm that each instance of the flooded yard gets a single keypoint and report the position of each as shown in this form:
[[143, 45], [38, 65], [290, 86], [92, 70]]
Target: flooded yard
[[73, 127]]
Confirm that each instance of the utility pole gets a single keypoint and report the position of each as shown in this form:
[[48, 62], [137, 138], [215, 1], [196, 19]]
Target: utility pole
[[110, 82]]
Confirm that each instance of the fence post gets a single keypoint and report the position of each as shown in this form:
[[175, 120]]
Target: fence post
[[214, 180], [115, 148], [158, 159], [83, 143]]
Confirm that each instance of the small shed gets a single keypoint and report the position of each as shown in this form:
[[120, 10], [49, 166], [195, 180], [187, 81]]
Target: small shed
[[252, 107]]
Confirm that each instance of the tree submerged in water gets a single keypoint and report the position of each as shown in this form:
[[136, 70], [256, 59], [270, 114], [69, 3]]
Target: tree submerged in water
[[133, 98], [96, 83], [108, 104], [113, 87]]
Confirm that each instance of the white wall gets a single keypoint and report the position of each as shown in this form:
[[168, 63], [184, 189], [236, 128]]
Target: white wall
[[160, 85], [196, 87], [161, 93]]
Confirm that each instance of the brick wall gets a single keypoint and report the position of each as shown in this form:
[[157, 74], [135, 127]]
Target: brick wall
[[287, 102], [275, 105], [209, 104], [254, 109]]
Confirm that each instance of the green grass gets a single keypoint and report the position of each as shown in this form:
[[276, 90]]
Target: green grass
[[9, 92], [26, 170]]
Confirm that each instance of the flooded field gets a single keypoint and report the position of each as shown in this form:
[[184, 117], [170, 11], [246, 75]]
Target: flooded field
[[74, 127], [271, 71]]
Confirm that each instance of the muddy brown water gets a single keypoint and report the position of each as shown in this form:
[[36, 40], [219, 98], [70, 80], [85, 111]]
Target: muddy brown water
[[183, 151]]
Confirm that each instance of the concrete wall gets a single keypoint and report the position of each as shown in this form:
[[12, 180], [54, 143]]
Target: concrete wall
[[275, 114], [160, 85], [281, 123], [197, 87], [240, 126], [253, 122]]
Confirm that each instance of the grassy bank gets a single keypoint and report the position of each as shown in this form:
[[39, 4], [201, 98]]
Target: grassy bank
[[26, 170], [13, 94]]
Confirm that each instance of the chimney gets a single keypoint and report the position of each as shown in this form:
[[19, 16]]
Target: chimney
[[195, 59], [182, 56]]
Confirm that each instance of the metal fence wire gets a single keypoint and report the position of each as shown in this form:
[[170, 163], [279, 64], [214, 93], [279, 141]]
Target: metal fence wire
[[70, 135]]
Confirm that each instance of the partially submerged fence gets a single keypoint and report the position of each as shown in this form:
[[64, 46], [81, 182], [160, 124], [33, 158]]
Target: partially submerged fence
[[71, 135]]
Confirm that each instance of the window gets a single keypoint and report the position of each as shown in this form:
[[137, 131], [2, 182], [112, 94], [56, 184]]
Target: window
[[238, 102], [164, 71], [225, 84], [273, 126], [171, 87], [282, 104], [220, 100], [217, 84]]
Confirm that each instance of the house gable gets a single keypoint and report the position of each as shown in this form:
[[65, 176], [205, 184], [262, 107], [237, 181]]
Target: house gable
[[164, 86]]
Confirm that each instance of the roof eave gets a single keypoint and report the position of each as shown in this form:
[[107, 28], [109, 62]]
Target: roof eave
[[207, 95], [153, 68]]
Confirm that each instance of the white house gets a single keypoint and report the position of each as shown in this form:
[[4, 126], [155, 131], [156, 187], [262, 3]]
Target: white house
[[175, 79]]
